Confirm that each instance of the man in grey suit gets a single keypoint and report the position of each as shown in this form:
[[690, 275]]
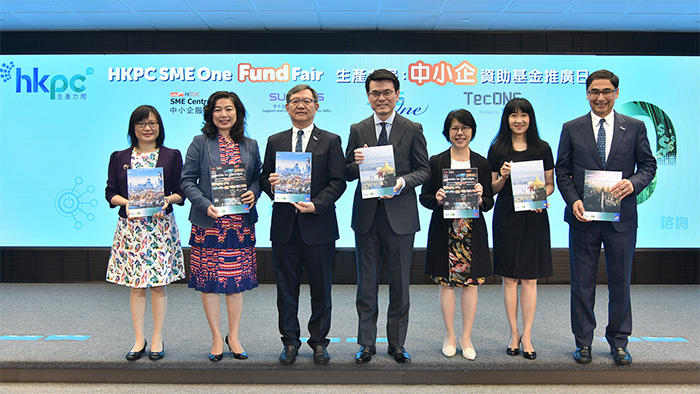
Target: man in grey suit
[[386, 224], [602, 140], [303, 234]]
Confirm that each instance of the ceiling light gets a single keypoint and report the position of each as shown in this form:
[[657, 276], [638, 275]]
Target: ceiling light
[[465, 20]]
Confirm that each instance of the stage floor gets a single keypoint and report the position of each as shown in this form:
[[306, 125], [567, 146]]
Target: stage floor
[[81, 332]]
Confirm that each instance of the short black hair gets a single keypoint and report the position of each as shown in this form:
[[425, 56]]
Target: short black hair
[[464, 117], [382, 75], [603, 74], [299, 88], [142, 112], [209, 128]]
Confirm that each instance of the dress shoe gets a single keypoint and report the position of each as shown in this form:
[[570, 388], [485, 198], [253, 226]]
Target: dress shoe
[[582, 355], [447, 349], [321, 355], [289, 355], [157, 355], [512, 351], [400, 354], [469, 353], [621, 356], [216, 357], [240, 356], [528, 355], [364, 355], [133, 356]]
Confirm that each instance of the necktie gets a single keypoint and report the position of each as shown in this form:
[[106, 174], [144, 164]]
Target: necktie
[[382, 135], [601, 142], [300, 137]]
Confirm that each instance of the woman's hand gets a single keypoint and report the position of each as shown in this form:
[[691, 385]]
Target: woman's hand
[[440, 196], [505, 170], [213, 212], [248, 198], [161, 214], [479, 191]]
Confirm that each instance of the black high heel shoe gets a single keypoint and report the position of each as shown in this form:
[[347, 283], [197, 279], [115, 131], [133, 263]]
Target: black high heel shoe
[[157, 355], [529, 355], [512, 351], [133, 356], [240, 356], [216, 357]]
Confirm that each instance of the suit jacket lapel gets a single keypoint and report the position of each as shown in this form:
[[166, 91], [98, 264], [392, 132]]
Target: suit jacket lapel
[[619, 129], [589, 138], [369, 131], [287, 141], [313, 140], [397, 130]]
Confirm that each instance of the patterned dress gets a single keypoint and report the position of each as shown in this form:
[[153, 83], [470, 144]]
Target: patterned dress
[[146, 251], [223, 256], [460, 256]]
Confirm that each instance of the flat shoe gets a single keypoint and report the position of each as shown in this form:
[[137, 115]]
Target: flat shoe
[[157, 355], [468, 353], [133, 356], [448, 350]]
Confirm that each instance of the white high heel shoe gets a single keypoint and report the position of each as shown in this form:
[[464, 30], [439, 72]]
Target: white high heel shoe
[[468, 353]]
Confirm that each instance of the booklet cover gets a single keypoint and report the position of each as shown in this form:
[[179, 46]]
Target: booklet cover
[[461, 200], [227, 186], [294, 169], [145, 188], [378, 172], [529, 187], [598, 202]]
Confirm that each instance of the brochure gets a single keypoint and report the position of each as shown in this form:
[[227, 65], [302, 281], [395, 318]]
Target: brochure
[[529, 187], [294, 169], [378, 172], [145, 188], [598, 202], [461, 200], [228, 184]]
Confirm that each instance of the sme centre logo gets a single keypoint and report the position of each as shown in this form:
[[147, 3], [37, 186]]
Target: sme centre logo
[[31, 80]]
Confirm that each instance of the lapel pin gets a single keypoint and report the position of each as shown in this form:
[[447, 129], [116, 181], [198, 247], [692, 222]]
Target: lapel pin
[[623, 128], [315, 138]]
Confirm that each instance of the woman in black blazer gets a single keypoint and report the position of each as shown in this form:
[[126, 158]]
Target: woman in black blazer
[[458, 250]]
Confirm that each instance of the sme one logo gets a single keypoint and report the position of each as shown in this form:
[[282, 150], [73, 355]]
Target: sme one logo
[[31, 80]]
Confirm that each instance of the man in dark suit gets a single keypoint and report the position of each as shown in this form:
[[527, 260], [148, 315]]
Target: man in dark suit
[[387, 224], [602, 140], [303, 234]]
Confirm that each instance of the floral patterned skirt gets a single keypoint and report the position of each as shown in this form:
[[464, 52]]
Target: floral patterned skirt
[[459, 256], [223, 257], [146, 252]]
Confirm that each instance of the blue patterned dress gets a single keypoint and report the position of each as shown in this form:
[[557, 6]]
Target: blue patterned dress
[[223, 256]]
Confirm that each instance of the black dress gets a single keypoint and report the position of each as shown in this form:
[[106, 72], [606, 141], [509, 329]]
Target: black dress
[[521, 242]]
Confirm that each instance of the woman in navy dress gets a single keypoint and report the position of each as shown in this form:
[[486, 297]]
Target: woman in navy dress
[[223, 259], [521, 243]]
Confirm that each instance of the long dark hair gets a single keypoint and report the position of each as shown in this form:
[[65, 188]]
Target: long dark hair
[[141, 113], [209, 128], [502, 144]]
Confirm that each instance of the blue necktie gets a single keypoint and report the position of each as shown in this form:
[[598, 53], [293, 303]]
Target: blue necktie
[[382, 135], [300, 136], [601, 142]]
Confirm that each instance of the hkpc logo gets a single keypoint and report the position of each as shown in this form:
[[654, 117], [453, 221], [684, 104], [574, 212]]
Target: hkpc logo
[[32, 81]]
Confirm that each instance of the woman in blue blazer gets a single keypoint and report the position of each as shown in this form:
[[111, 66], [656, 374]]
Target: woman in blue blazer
[[223, 258]]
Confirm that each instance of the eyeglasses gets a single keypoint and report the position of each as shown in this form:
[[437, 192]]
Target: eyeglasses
[[463, 129], [142, 125], [605, 92], [386, 93], [306, 102]]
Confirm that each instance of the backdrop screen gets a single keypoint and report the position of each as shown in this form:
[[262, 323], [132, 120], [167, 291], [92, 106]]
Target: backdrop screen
[[63, 115]]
